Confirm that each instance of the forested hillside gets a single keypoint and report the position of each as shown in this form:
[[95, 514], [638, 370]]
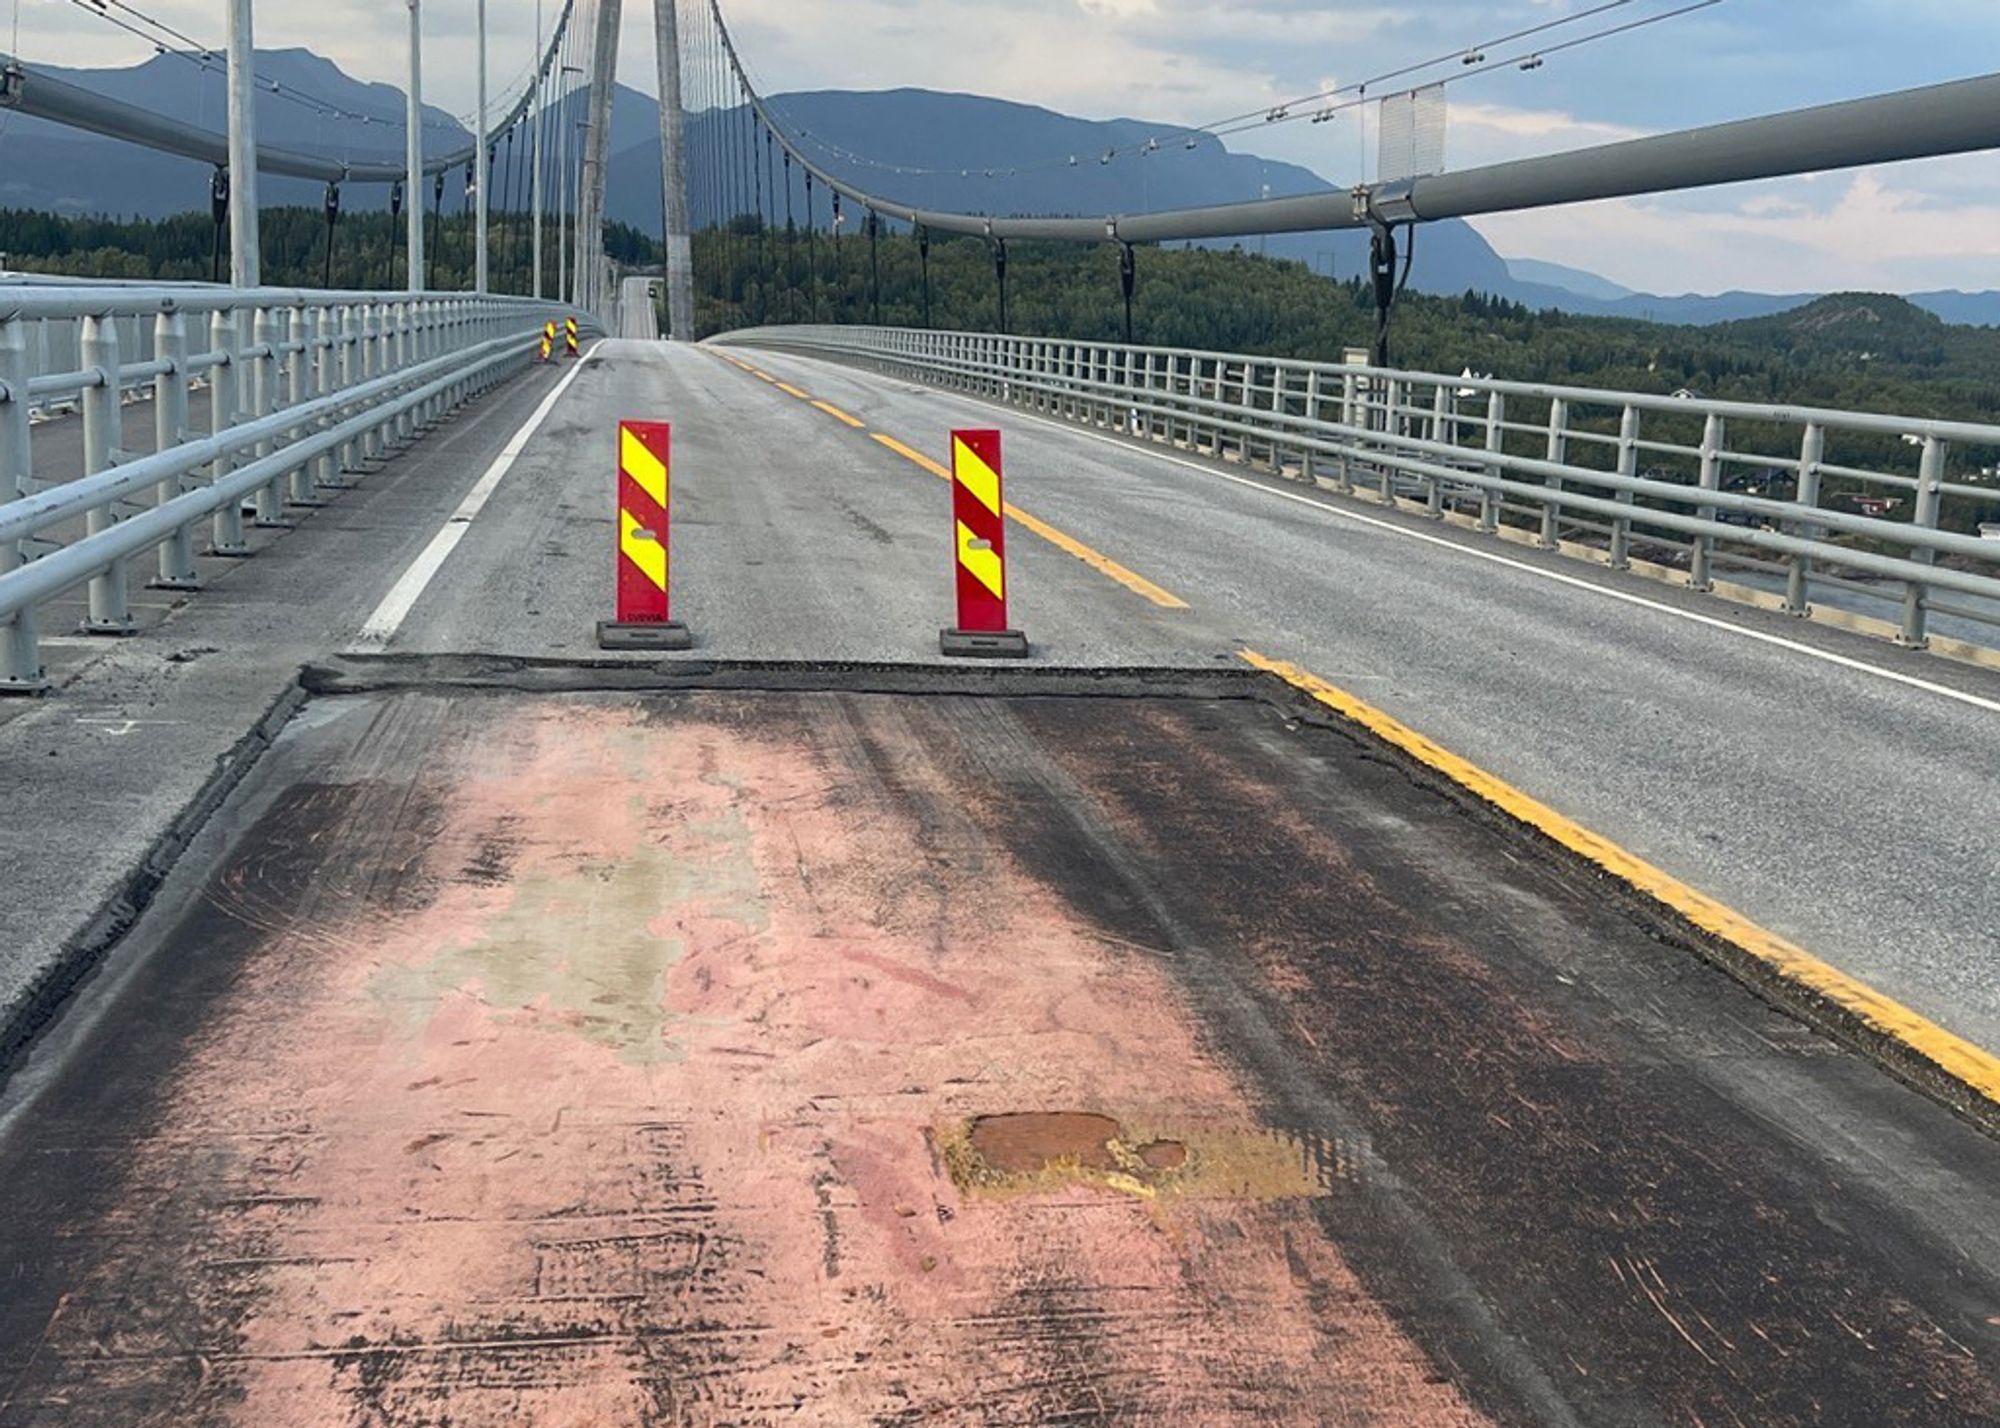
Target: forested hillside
[[1869, 352]]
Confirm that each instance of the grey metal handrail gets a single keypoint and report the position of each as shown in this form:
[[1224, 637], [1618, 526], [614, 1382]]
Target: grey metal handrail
[[1445, 441], [303, 385]]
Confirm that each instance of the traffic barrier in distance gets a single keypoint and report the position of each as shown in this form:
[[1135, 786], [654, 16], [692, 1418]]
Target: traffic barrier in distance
[[569, 338], [645, 620], [979, 517], [549, 340]]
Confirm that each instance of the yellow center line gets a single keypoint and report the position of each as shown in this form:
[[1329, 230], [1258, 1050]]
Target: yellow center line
[[761, 375], [1958, 1059], [1095, 559], [1098, 561], [838, 415], [910, 454], [791, 391]]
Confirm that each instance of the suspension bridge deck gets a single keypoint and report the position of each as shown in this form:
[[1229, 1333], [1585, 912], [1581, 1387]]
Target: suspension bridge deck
[[528, 1040]]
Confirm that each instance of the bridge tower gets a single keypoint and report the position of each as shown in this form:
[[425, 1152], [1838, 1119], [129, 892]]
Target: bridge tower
[[674, 174], [596, 154]]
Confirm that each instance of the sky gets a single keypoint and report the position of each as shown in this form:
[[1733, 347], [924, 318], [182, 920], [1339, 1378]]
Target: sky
[[1908, 227]]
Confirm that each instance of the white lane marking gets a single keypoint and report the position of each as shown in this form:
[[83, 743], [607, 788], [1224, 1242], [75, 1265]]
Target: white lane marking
[[1991, 706], [381, 627]]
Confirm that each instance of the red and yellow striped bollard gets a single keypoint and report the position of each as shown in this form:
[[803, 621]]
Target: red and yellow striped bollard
[[979, 512], [645, 620], [569, 338], [548, 339]]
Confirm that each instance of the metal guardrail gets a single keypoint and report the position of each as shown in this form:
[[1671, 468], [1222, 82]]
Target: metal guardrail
[[303, 387], [1844, 505]]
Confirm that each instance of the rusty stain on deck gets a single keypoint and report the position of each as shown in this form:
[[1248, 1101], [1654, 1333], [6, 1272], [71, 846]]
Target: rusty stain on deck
[[1026, 1152]]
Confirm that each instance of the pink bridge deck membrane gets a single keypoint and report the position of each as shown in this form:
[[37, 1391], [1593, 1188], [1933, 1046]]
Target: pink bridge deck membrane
[[839, 1059]]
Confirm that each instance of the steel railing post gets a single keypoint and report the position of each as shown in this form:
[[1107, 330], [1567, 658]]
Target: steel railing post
[[1628, 467], [1798, 582], [1152, 431], [423, 335], [267, 372], [322, 325], [103, 426], [385, 362], [1930, 501], [433, 335], [1496, 445], [1714, 436], [1433, 487], [17, 458], [1558, 455], [409, 354], [1245, 403], [386, 318], [348, 458], [298, 390], [395, 357], [1309, 458], [20, 653], [449, 339], [1392, 426], [226, 526], [1348, 392], [371, 367], [170, 429]]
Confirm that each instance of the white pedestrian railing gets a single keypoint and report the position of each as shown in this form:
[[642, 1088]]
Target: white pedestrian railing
[[1878, 514], [302, 388]]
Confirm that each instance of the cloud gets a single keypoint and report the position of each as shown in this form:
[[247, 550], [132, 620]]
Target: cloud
[[1882, 232]]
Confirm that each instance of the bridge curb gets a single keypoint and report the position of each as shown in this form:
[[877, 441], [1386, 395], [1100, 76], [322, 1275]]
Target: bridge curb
[[43, 1000]]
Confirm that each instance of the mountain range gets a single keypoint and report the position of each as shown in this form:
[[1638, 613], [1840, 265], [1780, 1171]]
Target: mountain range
[[929, 149]]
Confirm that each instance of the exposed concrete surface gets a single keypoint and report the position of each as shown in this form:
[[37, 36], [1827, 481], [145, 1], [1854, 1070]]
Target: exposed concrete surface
[[831, 1059]]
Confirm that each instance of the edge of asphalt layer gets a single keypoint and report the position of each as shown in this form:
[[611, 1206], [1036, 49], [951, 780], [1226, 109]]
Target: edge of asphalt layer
[[1815, 1006], [40, 1005], [35, 1008], [373, 674]]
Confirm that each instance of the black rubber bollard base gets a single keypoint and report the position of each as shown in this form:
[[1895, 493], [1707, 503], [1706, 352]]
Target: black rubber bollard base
[[980, 644], [672, 635]]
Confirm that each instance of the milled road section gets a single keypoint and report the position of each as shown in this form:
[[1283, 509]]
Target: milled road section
[[827, 1058]]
